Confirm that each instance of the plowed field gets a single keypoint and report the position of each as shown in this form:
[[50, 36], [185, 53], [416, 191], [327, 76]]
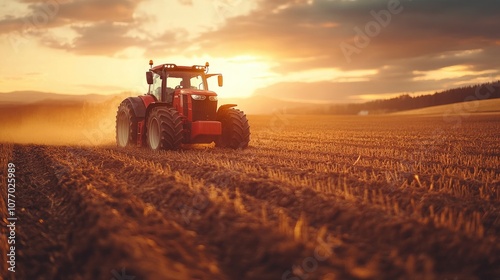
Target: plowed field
[[311, 198]]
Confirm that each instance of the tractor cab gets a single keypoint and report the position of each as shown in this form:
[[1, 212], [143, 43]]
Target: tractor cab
[[166, 80]]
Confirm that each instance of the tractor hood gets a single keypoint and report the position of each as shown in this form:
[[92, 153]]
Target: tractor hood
[[198, 92]]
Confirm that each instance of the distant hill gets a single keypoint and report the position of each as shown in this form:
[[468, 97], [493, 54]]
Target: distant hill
[[480, 106], [456, 95], [407, 102]]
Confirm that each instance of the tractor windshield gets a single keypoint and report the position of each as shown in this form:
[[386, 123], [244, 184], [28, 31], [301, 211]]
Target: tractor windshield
[[186, 80]]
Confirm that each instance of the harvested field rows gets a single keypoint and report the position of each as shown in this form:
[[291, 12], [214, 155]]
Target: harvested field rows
[[316, 197]]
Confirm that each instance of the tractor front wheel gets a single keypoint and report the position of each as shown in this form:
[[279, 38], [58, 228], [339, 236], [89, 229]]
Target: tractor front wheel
[[126, 125], [164, 129], [235, 129]]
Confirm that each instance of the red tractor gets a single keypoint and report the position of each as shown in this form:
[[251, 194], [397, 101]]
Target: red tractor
[[179, 109]]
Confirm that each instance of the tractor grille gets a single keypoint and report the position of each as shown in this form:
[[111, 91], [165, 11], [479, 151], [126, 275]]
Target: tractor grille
[[204, 110]]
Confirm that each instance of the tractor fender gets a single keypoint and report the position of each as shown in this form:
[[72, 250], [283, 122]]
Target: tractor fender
[[152, 106], [140, 104], [225, 107]]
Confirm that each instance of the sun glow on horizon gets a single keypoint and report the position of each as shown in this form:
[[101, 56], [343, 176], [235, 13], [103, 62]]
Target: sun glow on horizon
[[242, 75]]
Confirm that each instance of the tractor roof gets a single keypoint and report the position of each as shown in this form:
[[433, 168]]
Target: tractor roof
[[171, 66]]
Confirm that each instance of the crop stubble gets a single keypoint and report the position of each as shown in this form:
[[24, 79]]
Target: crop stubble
[[323, 197]]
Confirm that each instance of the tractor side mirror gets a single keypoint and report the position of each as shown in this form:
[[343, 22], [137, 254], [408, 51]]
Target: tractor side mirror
[[149, 77], [220, 79]]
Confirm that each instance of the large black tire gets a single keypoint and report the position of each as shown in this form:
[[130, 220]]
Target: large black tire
[[164, 129], [126, 125], [235, 129]]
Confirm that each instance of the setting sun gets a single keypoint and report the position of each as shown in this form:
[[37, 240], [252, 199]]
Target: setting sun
[[242, 75]]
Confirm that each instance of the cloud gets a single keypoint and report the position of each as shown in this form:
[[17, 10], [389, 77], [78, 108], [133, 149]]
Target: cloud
[[53, 13], [97, 10], [302, 30], [101, 27], [10, 24], [170, 42], [87, 10], [420, 36], [104, 38]]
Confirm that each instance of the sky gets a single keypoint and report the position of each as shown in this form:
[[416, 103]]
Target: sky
[[298, 50]]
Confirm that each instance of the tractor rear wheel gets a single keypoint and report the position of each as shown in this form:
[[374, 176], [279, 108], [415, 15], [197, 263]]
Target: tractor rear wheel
[[164, 129], [235, 129], [126, 125]]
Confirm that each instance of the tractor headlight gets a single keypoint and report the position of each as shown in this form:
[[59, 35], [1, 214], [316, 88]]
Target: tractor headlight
[[213, 98], [198, 97]]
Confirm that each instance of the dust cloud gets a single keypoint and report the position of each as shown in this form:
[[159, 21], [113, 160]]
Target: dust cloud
[[59, 123]]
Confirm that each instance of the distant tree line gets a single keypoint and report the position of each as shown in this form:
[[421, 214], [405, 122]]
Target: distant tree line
[[407, 102]]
